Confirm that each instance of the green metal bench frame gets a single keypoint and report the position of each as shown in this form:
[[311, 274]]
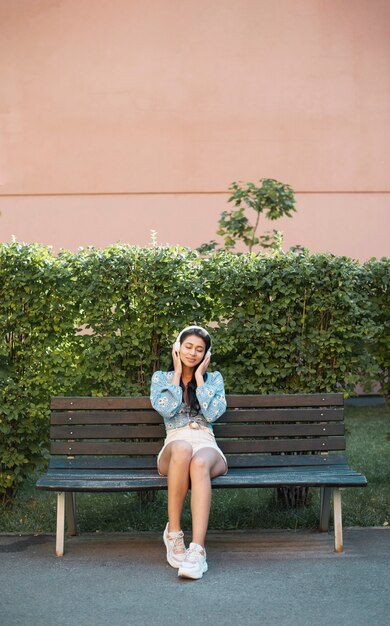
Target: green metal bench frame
[[110, 444]]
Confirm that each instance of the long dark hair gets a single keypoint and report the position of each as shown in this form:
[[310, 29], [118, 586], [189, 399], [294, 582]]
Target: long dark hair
[[192, 385]]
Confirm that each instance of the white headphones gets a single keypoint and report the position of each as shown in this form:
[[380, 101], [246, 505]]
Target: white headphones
[[176, 345]]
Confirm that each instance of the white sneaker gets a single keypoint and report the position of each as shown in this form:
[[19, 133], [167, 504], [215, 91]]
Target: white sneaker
[[194, 564], [176, 549]]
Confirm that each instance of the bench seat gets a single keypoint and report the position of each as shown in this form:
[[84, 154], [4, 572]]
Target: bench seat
[[138, 480]]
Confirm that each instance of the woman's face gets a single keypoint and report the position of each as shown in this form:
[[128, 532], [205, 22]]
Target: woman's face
[[192, 350]]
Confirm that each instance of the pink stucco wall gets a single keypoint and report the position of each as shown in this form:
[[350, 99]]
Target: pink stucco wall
[[336, 223], [121, 116]]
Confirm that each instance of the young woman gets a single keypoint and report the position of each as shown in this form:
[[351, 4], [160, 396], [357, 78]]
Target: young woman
[[189, 399]]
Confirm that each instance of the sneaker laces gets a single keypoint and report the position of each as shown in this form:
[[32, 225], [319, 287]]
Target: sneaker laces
[[176, 539], [193, 553]]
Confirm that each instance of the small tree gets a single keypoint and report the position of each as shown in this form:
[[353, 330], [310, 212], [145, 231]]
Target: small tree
[[272, 198]]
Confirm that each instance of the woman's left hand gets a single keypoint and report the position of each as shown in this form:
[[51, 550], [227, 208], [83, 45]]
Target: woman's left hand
[[203, 367]]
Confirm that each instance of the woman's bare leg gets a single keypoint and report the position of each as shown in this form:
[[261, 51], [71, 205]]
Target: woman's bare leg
[[206, 464], [174, 463]]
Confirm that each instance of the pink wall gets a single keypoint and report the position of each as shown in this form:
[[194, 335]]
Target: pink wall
[[328, 223], [121, 116]]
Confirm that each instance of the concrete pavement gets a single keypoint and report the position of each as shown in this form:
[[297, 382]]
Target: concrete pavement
[[265, 577]]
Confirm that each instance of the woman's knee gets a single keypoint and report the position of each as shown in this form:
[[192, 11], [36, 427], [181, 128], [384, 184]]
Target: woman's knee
[[181, 452], [200, 466]]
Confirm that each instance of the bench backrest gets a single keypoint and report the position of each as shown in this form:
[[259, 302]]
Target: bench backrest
[[255, 431]]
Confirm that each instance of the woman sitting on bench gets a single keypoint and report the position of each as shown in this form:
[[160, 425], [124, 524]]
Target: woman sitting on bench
[[189, 399]]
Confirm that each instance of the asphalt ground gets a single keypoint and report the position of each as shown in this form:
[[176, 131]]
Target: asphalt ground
[[265, 577]]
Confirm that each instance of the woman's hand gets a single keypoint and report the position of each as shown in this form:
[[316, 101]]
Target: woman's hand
[[177, 362], [202, 370]]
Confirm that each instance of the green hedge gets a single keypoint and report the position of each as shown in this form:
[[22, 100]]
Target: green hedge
[[100, 321]]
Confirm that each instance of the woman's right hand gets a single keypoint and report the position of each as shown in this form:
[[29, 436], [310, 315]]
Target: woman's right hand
[[177, 361]]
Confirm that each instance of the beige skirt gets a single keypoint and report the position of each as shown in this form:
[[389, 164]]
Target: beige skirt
[[198, 438]]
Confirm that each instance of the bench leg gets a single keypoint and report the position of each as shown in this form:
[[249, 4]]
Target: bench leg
[[338, 524], [60, 536], [325, 508], [70, 507]]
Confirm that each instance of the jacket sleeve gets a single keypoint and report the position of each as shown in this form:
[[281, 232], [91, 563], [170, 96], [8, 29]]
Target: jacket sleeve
[[211, 397], [165, 397]]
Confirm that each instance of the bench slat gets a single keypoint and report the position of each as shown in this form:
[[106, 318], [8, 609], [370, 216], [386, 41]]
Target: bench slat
[[292, 472], [249, 478], [137, 484], [286, 400], [93, 402], [237, 446], [279, 479], [107, 432], [277, 430], [220, 430], [143, 402], [234, 415], [283, 445], [105, 447], [323, 414], [248, 460], [103, 462], [284, 460], [106, 417]]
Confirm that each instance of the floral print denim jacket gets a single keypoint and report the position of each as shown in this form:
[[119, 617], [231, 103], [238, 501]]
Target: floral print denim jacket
[[167, 399]]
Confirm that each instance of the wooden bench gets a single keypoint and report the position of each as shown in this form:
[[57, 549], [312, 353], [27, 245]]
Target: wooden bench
[[110, 444]]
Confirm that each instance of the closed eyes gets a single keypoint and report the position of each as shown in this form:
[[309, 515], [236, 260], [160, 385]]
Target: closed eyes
[[189, 347]]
